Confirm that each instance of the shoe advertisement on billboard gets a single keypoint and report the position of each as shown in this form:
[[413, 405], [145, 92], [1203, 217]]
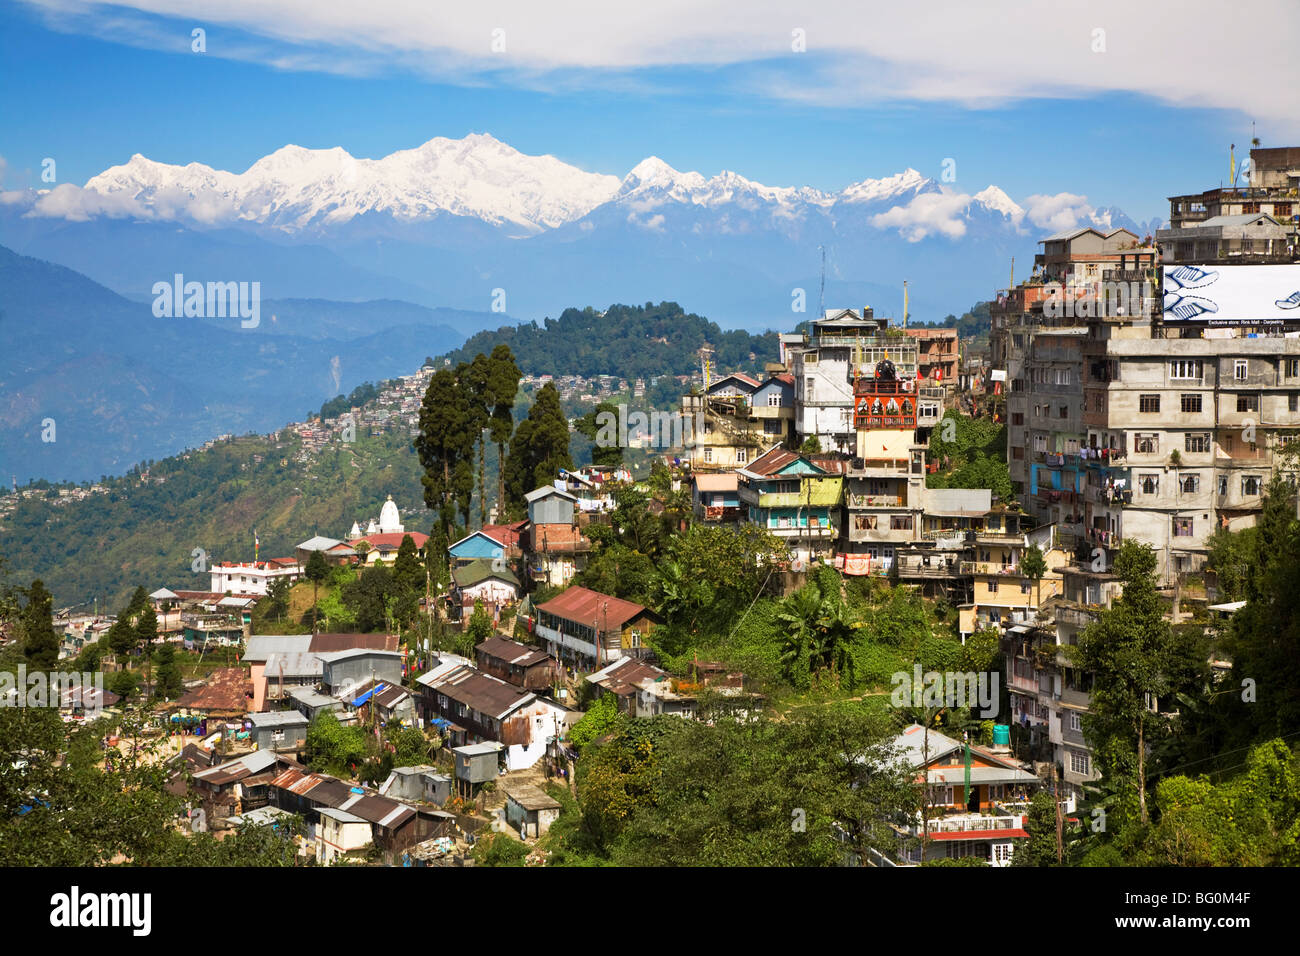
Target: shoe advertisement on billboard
[[1231, 295]]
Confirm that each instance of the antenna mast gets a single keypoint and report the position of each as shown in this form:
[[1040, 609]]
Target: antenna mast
[[821, 296]]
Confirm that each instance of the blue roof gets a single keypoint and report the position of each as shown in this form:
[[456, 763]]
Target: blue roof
[[366, 696]]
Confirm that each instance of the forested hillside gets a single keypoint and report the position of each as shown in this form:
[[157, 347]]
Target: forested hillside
[[631, 341]]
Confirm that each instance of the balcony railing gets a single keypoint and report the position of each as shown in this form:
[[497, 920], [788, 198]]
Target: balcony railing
[[989, 567], [967, 824], [875, 501]]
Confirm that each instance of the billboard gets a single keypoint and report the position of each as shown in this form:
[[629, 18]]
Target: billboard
[[1231, 295]]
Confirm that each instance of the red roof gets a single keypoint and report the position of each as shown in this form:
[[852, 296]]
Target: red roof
[[507, 535], [582, 605], [390, 539], [772, 461]]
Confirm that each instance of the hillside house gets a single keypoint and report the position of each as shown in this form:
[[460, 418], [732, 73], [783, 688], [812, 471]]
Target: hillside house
[[586, 629]]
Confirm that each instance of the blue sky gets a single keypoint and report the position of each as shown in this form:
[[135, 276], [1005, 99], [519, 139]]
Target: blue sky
[[90, 84]]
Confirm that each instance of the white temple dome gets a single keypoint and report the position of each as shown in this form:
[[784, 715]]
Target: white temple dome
[[390, 521]]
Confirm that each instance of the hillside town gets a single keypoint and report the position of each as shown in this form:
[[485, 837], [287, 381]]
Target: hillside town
[[1139, 406]]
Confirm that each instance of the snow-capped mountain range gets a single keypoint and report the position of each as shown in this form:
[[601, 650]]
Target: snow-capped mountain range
[[450, 222], [479, 177]]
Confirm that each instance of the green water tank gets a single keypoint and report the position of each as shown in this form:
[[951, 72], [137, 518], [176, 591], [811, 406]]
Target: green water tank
[[1001, 735]]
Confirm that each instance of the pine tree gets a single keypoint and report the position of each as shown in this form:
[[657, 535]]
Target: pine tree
[[316, 571], [408, 569], [475, 380], [146, 632], [539, 449], [169, 685], [503, 386], [445, 445], [41, 647]]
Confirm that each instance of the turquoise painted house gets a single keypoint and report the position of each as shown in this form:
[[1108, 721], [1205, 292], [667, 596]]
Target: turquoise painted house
[[474, 546]]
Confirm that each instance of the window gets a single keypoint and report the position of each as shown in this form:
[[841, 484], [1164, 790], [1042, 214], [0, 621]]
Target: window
[[1150, 484], [900, 522], [1076, 722], [1182, 527], [807, 385], [1191, 484], [1247, 403], [708, 453], [1017, 418], [1191, 403], [1293, 402], [1281, 209], [1025, 586], [1239, 369], [993, 587], [1223, 485], [742, 456], [1040, 443], [1186, 369], [1063, 411], [1196, 442], [1291, 368], [1147, 444], [1250, 485], [1018, 453], [1148, 404], [774, 400], [1078, 761]]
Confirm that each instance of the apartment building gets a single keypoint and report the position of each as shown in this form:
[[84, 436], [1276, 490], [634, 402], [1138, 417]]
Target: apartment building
[[796, 499], [841, 348], [1258, 223], [737, 417]]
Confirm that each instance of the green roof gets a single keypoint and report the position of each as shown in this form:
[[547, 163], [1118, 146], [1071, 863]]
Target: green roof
[[478, 571]]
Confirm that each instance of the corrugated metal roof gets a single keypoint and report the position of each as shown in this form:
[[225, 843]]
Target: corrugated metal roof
[[512, 652], [584, 606]]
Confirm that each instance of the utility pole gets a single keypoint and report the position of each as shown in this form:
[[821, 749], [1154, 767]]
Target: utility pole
[[1060, 818]]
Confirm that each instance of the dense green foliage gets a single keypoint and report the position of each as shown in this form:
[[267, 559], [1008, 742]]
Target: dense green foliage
[[970, 453], [62, 805], [760, 792], [626, 340], [359, 396], [539, 448]]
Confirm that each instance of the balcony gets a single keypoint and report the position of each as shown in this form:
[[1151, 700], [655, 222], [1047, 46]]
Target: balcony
[[989, 567], [875, 501], [970, 823]]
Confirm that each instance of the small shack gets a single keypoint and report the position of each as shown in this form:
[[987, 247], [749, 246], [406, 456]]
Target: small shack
[[282, 730], [530, 810], [476, 764]]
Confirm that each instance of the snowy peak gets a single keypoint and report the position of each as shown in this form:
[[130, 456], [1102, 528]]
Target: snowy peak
[[296, 188], [996, 200], [909, 181]]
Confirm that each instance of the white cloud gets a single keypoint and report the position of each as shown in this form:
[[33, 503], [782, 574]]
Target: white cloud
[[1059, 212], [79, 205], [973, 53], [927, 214]]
